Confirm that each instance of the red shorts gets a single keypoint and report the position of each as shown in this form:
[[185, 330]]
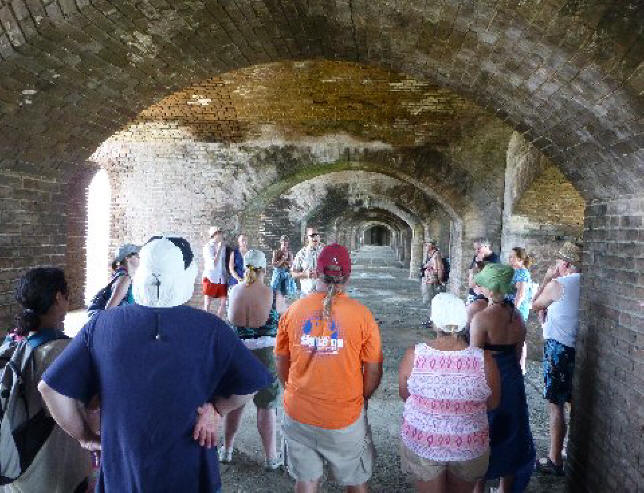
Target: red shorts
[[214, 290]]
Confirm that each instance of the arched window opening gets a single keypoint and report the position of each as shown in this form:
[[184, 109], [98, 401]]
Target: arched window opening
[[98, 233]]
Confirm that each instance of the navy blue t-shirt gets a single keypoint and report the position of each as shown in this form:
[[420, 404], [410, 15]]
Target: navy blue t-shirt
[[152, 368]]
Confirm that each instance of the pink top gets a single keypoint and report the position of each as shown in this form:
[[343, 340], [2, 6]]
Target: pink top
[[445, 415]]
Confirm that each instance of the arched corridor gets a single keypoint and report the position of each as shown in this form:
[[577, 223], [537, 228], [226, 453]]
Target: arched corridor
[[400, 121]]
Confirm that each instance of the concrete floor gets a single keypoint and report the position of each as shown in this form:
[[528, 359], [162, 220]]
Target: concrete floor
[[382, 284]]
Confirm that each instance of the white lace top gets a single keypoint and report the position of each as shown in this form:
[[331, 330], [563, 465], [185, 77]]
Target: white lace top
[[445, 415]]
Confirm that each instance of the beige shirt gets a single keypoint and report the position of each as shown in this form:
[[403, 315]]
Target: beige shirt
[[61, 464]]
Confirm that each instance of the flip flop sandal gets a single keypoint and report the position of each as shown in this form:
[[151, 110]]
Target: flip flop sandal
[[546, 466]]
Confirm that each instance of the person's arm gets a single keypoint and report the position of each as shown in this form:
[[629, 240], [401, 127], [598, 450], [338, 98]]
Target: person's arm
[[493, 378], [274, 261], [231, 267], [551, 274], [283, 363], [119, 291], [519, 296], [549, 294], [404, 371], [67, 413], [297, 271], [371, 375], [478, 333]]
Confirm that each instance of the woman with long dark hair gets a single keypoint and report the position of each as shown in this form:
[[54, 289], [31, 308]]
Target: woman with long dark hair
[[61, 464]]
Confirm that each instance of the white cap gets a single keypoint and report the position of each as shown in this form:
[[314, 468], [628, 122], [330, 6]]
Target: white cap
[[255, 258], [125, 250], [212, 230], [448, 310], [166, 273]]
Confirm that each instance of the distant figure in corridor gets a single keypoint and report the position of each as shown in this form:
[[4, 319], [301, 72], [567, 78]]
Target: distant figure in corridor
[[329, 360], [482, 253], [282, 282], [252, 314], [215, 274], [163, 373], [304, 265], [522, 282], [447, 388], [557, 301], [60, 464], [432, 281], [499, 328], [236, 261]]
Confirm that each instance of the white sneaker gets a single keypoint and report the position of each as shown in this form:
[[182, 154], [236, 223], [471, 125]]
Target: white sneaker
[[273, 464], [225, 456]]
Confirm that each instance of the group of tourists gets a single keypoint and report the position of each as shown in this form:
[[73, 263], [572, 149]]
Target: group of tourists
[[164, 377]]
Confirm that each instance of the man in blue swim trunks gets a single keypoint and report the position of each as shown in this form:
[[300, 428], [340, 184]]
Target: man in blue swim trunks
[[557, 301]]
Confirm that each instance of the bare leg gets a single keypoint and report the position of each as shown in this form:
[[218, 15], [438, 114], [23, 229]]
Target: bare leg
[[280, 303], [457, 485], [505, 485], [358, 488], [557, 432], [231, 425], [221, 311], [524, 355], [479, 486], [266, 419], [306, 486], [436, 485], [207, 300]]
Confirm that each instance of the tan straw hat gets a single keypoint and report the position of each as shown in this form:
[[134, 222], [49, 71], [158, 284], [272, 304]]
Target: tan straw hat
[[570, 253]]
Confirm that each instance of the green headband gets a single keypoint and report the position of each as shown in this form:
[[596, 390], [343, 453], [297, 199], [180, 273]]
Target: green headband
[[496, 277]]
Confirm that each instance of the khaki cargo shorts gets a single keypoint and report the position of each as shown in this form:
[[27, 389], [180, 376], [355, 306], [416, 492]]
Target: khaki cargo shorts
[[349, 451], [421, 469]]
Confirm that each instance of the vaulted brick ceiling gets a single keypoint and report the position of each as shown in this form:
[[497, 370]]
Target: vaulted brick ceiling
[[566, 73]]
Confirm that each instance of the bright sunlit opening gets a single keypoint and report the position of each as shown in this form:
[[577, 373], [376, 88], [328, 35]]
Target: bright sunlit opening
[[98, 234]]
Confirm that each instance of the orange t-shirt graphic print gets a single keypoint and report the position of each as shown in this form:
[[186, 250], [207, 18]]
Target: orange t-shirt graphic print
[[324, 386]]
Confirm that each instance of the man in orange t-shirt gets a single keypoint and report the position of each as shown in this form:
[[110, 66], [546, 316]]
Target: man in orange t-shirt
[[329, 359]]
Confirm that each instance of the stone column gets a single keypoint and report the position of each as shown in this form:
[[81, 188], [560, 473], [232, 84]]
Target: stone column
[[416, 254]]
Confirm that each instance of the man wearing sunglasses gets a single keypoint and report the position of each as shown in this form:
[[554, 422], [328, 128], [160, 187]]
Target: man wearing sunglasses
[[305, 263]]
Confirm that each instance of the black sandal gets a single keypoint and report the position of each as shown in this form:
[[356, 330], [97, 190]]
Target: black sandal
[[546, 466]]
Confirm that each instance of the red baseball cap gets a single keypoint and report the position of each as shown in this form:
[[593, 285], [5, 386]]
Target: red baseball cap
[[334, 260]]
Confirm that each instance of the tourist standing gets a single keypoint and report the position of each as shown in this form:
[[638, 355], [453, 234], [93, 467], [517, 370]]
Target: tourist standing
[[215, 275], [482, 253], [329, 360], [432, 281], [447, 388], [304, 264], [59, 464], [160, 369], [558, 297], [252, 314], [500, 329], [127, 261], [522, 281], [282, 282], [236, 261]]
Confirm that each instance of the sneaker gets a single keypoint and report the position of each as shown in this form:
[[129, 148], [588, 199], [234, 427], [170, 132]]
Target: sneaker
[[225, 456], [273, 464]]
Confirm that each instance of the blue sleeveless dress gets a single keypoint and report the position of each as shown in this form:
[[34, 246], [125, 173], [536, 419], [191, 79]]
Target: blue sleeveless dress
[[512, 450]]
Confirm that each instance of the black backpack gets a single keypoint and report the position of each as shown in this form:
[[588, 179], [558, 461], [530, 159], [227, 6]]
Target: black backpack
[[100, 299], [446, 268], [23, 431]]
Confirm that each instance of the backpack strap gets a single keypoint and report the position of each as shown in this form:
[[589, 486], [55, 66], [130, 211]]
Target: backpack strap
[[274, 305], [45, 336]]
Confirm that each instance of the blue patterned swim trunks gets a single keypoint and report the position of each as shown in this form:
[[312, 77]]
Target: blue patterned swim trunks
[[558, 368]]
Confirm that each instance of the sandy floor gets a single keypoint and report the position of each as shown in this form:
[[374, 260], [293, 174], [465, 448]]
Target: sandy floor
[[382, 285]]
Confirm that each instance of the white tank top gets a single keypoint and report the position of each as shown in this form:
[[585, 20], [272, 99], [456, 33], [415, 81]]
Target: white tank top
[[562, 319]]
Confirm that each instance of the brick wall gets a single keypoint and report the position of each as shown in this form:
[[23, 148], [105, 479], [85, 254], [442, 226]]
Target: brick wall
[[605, 450], [33, 232]]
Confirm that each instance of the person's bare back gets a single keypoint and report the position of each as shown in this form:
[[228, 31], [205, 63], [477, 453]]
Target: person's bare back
[[249, 305]]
